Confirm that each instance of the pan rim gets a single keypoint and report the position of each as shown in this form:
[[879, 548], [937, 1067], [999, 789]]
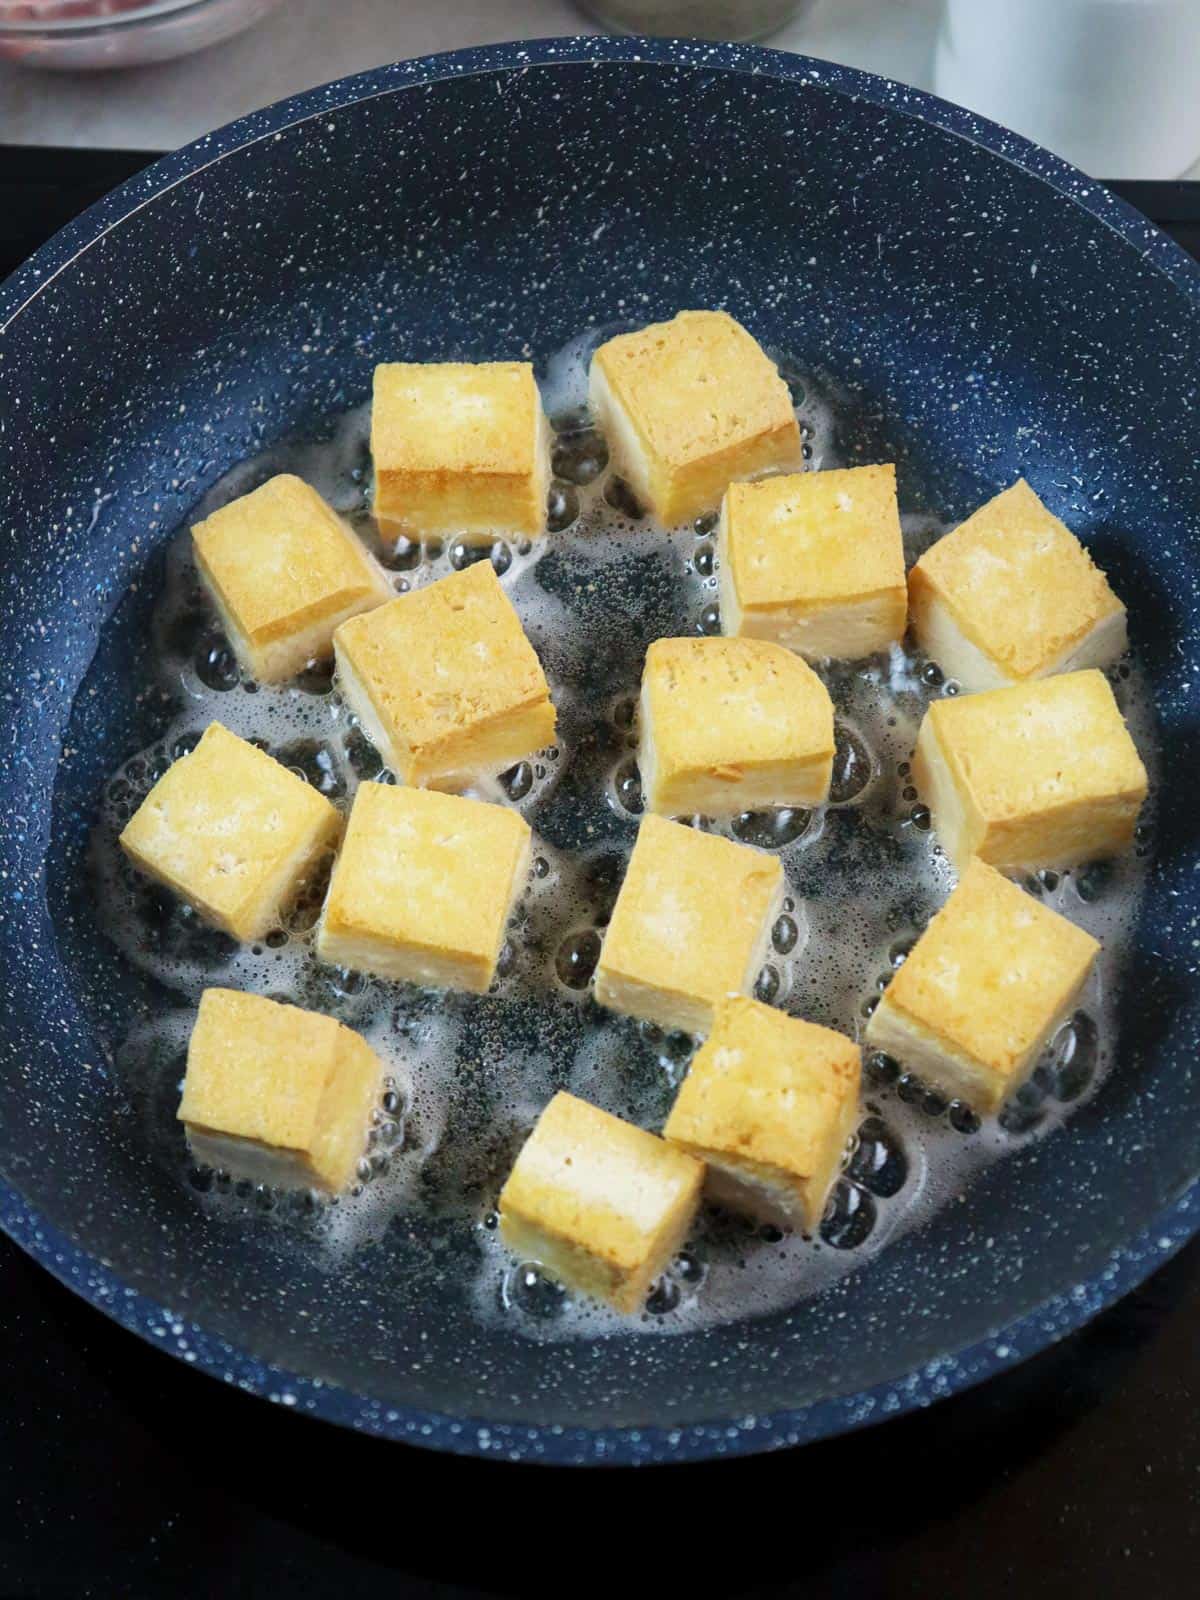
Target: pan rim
[[553, 1444], [1036, 1328]]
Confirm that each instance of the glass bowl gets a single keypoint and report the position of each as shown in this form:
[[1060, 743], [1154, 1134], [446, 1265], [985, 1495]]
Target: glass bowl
[[737, 20], [72, 35]]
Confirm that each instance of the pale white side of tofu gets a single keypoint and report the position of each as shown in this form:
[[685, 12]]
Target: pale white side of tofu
[[480, 532], [848, 631], [247, 1158], [930, 1058], [687, 1013], [429, 968], [541, 457], [283, 886], [647, 754], [942, 1067], [749, 1190], [433, 969], [354, 692], [943, 798], [943, 641], [624, 446], [281, 659], [633, 999], [751, 1194], [777, 784]]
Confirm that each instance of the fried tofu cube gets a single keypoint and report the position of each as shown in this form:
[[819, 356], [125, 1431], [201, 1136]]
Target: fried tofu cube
[[276, 1094], [232, 832], [984, 989], [732, 725], [459, 448], [815, 561], [601, 1205], [1043, 774], [769, 1104], [1012, 595], [692, 924], [689, 405], [423, 887], [445, 683], [284, 571]]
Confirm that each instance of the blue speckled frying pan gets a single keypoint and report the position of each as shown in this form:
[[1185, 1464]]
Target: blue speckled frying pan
[[1000, 312]]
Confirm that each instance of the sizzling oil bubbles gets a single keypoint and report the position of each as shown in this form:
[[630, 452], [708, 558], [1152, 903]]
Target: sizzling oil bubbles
[[466, 1076]]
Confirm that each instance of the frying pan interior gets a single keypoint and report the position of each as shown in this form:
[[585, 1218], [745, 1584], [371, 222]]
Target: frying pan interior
[[983, 311]]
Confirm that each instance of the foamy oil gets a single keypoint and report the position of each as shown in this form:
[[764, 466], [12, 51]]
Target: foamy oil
[[466, 1076]]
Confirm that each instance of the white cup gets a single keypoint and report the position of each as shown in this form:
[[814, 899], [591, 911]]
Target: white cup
[[1111, 85]]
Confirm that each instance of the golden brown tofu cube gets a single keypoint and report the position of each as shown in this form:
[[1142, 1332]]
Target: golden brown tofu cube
[[459, 448], [1012, 595], [732, 725], [692, 924], [987, 985], [1043, 774], [232, 832], [769, 1105], [445, 683], [689, 405], [815, 561], [602, 1205], [275, 1094], [423, 887], [284, 571]]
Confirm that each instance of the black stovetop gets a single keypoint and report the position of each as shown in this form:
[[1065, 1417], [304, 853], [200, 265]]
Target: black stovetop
[[125, 1473]]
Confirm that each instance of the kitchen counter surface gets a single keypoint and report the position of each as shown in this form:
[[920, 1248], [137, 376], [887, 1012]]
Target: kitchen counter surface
[[311, 41]]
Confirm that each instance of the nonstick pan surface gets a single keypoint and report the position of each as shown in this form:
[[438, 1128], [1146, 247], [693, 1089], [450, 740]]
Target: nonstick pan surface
[[984, 310]]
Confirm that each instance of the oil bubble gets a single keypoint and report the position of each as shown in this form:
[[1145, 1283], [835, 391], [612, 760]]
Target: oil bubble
[[963, 1118], [772, 830], [628, 785], [517, 781], [217, 666], [562, 507], [362, 755], [663, 1298], [577, 957], [580, 456], [851, 766], [688, 1267], [849, 1217], [317, 765], [316, 678], [1073, 1057], [401, 555], [767, 986], [621, 498], [1093, 881], [879, 1163], [528, 1289], [882, 1068]]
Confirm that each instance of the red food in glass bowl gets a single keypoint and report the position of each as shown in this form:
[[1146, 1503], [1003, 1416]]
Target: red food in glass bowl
[[82, 34]]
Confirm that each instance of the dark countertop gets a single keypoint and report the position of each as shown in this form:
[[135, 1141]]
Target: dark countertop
[[1077, 1473], [125, 1473]]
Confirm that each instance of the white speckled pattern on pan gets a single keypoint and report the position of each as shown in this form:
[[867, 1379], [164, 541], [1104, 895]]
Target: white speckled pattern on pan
[[984, 311]]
